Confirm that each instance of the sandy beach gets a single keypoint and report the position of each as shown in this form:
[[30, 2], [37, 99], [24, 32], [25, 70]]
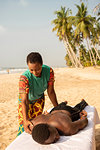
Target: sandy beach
[[71, 84]]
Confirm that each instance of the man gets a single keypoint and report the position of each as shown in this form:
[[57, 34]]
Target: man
[[60, 121]]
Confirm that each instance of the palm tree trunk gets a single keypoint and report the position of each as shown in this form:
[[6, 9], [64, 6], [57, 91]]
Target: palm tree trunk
[[96, 50], [93, 57], [78, 52], [69, 53], [96, 57], [78, 64], [92, 54], [89, 53]]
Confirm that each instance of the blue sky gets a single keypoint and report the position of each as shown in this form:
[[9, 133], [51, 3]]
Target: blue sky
[[25, 26]]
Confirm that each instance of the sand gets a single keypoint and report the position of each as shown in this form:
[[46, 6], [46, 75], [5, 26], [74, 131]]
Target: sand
[[71, 84]]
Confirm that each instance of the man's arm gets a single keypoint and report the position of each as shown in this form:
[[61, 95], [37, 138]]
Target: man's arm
[[78, 125]]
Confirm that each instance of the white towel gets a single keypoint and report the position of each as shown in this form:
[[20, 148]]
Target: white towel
[[83, 140]]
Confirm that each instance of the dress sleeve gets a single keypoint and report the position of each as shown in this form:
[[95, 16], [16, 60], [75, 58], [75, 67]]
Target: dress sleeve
[[51, 79], [23, 85]]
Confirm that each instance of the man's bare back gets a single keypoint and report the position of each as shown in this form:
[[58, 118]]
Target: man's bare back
[[61, 120]]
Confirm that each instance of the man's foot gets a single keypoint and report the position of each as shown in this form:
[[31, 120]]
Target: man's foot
[[84, 102], [65, 102], [83, 114]]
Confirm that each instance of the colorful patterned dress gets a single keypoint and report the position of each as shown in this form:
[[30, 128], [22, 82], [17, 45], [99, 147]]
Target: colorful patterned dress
[[34, 87]]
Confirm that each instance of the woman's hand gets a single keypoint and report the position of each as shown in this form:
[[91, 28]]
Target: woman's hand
[[26, 124], [45, 112]]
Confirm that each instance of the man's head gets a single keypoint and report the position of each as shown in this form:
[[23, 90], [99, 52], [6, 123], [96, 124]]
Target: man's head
[[35, 62], [45, 134]]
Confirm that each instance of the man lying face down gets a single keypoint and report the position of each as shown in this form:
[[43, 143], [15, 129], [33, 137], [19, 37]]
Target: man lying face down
[[62, 120]]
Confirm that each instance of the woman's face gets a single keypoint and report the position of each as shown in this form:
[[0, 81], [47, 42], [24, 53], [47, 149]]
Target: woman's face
[[35, 68]]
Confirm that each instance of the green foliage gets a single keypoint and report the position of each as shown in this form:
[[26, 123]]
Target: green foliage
[[68, 61], [98, 62], [61, 22], [76, 29]]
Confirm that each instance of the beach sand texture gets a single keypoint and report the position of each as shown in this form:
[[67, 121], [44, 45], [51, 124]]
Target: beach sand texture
[[71, 84]]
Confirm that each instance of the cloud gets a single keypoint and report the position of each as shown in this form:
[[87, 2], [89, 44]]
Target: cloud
[[2, 29], [24, 3]]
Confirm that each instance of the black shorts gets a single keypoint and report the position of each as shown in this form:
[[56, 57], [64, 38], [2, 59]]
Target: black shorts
[[74, 111]]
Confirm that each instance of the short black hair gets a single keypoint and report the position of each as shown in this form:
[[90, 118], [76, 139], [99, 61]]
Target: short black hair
[[41, 133], [34, 57]]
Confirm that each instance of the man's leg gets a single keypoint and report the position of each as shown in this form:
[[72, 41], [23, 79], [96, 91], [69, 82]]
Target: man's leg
[[74, 111], [59, 107], [81, 105], [78, 108], [63, 106]]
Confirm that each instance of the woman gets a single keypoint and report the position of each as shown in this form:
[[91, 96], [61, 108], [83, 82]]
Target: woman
[[32, 85]]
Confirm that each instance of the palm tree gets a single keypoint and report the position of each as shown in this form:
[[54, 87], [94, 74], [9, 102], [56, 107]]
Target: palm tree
[[95, 38], [63, 29], [97, 11], [96, 33], [83, 55], [84, 26], [97, 8]]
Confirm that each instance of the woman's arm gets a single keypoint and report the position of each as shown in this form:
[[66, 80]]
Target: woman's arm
[[50, 89], [26, 122], [52, 95]]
